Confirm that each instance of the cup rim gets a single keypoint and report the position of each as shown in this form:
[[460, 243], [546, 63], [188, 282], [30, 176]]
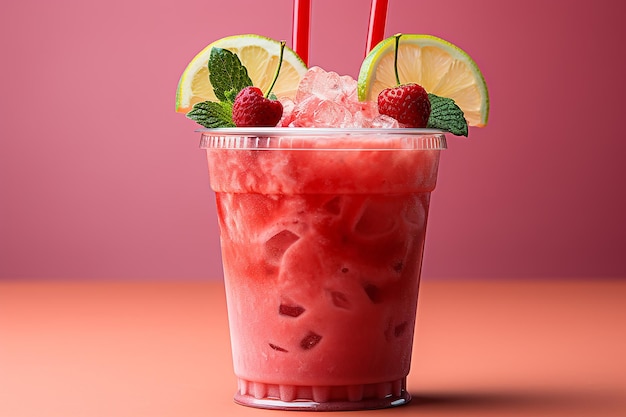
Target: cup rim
[[296, 138], [316, 131]]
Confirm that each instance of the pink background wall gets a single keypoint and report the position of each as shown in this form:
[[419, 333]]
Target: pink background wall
[[99, 178]]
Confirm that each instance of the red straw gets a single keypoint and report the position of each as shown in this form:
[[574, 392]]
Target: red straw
[[301, 28], [376, 29]]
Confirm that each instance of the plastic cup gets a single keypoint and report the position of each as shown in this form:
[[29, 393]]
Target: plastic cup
[[322, 235]]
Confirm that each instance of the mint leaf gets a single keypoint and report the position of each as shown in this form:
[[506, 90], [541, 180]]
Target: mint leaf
[[231, 95], [228, 77], [211, 114], [226, 73], [446, 115]]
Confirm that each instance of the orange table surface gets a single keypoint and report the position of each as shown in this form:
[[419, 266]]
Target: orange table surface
[[482, 348]]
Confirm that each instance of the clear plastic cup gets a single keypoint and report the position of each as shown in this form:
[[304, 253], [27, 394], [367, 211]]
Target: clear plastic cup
[[322, 234]]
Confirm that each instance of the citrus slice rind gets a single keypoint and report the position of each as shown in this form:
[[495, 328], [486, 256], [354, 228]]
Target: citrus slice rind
[[257, 53], [437, 65]]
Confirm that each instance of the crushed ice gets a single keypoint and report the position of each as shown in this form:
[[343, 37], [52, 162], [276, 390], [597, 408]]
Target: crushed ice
[[327, 99]]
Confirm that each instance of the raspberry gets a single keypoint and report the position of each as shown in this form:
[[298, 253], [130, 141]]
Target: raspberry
[[408, 104], [252, 109]]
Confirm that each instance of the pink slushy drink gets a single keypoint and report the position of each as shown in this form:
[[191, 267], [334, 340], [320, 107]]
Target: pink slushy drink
[[322, 194], [322, 234]]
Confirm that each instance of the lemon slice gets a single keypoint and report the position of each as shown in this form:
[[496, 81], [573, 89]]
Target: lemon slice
[[437, 65], [260, 57]]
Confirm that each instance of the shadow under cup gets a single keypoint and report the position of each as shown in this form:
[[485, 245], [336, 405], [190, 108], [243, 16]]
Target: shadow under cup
[[322, 234]]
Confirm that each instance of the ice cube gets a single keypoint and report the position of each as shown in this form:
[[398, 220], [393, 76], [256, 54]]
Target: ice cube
[[288, 106], [331, 114], [276, 246], [325, 85], [383, 121], [375, 219], [326, 99]]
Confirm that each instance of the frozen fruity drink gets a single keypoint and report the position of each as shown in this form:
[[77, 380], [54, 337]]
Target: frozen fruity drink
[[323, 186], [322, 235]]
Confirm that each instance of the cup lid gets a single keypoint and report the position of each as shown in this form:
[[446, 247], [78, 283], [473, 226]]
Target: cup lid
[[316, 131], [322, 138]]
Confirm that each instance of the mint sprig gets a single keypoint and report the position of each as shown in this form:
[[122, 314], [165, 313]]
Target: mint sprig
[[211, 114], [227, 74], [446, 115], [228, 77]]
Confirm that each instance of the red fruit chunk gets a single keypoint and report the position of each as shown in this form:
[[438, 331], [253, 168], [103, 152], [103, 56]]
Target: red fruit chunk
[[400, 329], [310, 340], [408, 104], [251, 109], [340, 300], [278, 348], [373, 292], [291, 311]]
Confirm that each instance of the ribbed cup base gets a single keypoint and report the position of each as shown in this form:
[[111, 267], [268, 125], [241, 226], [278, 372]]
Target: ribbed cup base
[[322, 398]]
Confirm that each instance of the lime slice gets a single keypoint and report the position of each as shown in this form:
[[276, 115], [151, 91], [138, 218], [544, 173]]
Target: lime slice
[[260, 57], [437, 65]]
